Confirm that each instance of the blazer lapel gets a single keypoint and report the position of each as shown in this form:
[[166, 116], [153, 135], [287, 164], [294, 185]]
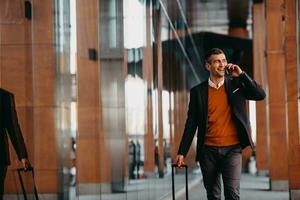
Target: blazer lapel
[[204, 98], [228, 89]]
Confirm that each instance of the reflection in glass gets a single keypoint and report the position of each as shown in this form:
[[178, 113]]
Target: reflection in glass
[[112, 23], [134, 24], [63, 95], [135, 106], [135, 95], [130, 102], [73, 37]]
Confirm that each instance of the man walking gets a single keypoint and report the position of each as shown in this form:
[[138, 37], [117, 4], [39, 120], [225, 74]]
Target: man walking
[[9, 125], [218, 109]]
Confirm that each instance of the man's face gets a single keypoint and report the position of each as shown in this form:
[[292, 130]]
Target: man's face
[[216, 65]]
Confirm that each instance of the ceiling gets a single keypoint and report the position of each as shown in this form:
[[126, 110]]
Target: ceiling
[[210, 15]]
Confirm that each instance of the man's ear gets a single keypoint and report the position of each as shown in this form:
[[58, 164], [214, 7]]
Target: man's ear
[[207, 66]]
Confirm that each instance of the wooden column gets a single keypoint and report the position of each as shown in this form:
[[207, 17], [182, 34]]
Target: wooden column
[[148, 71], [159, 94], [44, 80], [238, 12], [277, 96], [172, 112], [112, 86], [28, 71], [93, 162], [181, 102], [16, 76], [177, 118], [291, 55], [238, 28], [260, 73]]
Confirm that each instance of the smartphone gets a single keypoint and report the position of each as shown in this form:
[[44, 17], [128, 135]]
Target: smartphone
[[228, 71]]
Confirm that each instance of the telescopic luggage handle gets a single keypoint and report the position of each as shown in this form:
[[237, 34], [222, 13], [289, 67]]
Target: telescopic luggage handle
[[186, 181], [30, 169], [23, 170]]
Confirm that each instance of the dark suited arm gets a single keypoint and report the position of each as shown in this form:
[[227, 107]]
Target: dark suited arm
[[190, 125], [251, 89], [13, 127]]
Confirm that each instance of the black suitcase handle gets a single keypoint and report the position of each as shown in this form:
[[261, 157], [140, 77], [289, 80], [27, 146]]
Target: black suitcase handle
[[186, 181], [30, 169]]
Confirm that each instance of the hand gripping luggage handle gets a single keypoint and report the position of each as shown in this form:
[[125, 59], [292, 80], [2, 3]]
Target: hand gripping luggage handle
[[23, 170], [186, 181], [19, 170], [175, 165]]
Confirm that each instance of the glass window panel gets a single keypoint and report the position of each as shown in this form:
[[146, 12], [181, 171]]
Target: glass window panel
[[134, 23]]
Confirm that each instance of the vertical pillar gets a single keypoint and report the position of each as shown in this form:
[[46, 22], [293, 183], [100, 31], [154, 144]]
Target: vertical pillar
[[112, 86], [291, 55], [44, 96], [16, 75], [177, 118], [172, 89], [260, 73], [64, 94], [28, 70], [93, 162], [172, 112], [159, 92], [238, 14], [277, 97], [181, 102], [148, 69]]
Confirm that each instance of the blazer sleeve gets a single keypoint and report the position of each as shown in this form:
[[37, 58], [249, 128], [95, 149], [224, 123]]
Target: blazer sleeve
[[251, 89], [13, 127], [190, 125]]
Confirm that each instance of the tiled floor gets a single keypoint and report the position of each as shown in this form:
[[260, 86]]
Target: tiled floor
[[252, 188]]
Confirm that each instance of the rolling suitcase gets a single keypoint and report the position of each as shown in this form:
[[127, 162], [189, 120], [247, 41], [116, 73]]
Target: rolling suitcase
[[29, 170], [174, 166]]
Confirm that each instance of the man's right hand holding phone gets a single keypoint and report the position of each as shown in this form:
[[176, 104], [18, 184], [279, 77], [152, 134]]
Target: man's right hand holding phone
[[233, 70]]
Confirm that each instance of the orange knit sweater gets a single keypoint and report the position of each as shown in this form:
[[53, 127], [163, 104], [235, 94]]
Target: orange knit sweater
[[221, 130]]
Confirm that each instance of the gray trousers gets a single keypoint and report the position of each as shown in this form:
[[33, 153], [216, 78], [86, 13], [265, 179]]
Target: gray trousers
[[221, 161]]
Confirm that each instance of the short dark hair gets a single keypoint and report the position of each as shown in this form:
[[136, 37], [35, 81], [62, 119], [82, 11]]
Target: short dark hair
[[213, 51]]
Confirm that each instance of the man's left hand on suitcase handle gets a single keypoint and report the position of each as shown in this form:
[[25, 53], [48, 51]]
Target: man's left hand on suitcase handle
[[25, 164], [180, 160]]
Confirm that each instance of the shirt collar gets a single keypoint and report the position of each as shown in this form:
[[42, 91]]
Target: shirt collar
[[213, 85]]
